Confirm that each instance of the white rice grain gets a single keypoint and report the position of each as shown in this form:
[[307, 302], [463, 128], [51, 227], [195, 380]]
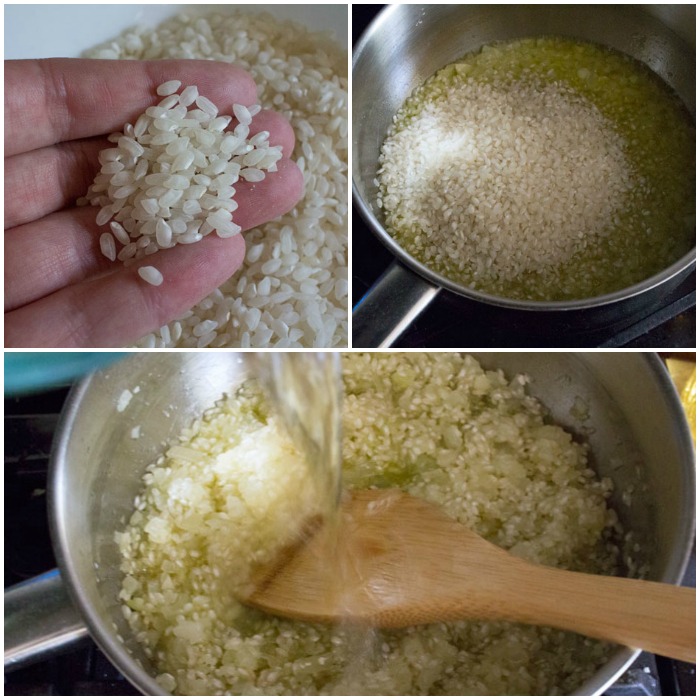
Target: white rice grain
[[150, 274], [252, 175], [168, 88], [164, 234], [104, 215], [206, 105], [119, 232], [108, 247], [242, 114], [189, 95]]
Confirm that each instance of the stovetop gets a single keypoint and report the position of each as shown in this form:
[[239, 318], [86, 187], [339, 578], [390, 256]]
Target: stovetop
[[29, 426], [455, 322]]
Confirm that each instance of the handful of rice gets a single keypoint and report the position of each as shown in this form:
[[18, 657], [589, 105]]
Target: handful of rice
[[170, 180], [292, 289]]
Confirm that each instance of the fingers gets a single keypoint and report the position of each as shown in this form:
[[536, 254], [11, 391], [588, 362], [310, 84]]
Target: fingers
[[55, 252], [288, 186], [281, 132], [62, 99], [48, 179], [63, 249], [119, 308], [51, 178]]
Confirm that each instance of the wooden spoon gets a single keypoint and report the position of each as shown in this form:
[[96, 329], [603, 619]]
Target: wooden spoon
[[396, 561]]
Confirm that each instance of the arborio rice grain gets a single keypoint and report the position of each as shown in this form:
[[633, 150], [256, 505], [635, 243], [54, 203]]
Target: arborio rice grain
[[436, 425], [292, 289]]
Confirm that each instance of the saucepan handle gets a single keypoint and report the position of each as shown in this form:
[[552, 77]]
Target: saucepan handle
[[40, 620], [383, 314]]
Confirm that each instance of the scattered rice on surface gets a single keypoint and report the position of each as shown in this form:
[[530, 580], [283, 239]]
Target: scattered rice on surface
[[436, 425], [292, 289], [541, 169]]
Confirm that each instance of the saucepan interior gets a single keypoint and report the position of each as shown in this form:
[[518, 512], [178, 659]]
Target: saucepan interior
[[117, 421]]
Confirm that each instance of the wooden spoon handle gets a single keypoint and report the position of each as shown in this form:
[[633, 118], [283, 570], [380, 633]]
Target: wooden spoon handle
[[656, 617]]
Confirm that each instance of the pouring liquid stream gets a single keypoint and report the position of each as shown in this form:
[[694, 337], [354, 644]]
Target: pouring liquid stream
[[306, 390]]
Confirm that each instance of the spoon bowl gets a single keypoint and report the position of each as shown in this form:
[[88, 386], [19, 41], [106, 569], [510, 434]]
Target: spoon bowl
[[395, 561]]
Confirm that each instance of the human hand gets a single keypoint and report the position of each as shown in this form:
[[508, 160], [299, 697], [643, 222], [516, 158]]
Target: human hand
[[60, 291]]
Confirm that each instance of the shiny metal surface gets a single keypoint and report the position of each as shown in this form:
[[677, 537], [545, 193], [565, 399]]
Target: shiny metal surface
[[398, 297], [40, 620], [633, 422], [406, 44], [97, 469]]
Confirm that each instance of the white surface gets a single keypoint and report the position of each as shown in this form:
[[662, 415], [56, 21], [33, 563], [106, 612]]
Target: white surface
[[43, 31]]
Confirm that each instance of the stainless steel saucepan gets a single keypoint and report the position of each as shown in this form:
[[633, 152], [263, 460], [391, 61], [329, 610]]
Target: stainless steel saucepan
[[624, 405], [404, 46]]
